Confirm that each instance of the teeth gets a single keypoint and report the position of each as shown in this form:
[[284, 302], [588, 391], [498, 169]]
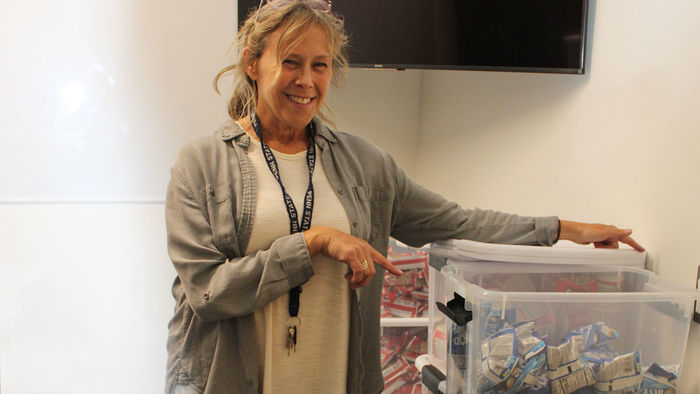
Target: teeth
[[300, 100]]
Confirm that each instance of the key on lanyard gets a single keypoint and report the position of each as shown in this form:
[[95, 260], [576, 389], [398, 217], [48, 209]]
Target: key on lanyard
[[292, 323]]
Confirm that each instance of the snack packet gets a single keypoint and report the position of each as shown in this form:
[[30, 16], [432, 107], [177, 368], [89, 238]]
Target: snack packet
[[621, 375]]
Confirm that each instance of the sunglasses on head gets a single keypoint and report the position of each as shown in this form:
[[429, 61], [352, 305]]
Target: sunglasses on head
[[318, 5]]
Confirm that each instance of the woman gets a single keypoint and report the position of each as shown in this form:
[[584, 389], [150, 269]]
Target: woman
[[277, 225]]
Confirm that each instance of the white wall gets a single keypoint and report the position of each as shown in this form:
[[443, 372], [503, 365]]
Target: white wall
[[617, 145], [98, 98], [85, 292], [382, 106]]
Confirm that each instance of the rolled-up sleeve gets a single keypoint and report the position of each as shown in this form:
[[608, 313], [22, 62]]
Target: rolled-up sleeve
[[220, 287], [421, 216]]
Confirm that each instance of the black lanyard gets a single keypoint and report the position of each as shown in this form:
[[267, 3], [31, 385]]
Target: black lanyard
[[294, 226]]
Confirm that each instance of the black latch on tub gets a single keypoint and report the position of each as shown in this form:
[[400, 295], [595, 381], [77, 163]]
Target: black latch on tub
[[431, 378], [455, 310]]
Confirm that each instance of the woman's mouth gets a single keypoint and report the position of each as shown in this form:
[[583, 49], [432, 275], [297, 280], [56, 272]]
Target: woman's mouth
[[299, 99]]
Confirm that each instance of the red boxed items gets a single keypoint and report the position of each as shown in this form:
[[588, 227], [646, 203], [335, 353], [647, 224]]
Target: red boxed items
[[404, 380], [415, 260], [414, 348], [406, 295], [408, 278], [388, 352], [405, 262], [404, 307], [396, 385], [402, 385], [397, 368], [420, 295], [392, 343], [407, 305], [400, 347]]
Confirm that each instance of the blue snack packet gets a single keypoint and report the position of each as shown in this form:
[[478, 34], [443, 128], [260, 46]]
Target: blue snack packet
[[594, 334], [621, 375], [528, 374], [599, 354], [499, 355], [496, 319], [658, 380], [567, 370]]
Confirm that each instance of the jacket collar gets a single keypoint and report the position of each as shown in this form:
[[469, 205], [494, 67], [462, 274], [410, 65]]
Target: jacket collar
[[230, 130]]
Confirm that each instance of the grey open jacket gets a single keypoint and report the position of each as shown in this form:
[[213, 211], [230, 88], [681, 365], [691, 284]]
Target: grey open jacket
[[210, 204]]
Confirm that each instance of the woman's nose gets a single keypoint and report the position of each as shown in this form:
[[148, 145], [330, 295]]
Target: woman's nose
[[304, 78]]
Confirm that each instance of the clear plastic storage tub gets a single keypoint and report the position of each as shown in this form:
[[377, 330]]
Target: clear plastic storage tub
[[559, 329], [451, 252]]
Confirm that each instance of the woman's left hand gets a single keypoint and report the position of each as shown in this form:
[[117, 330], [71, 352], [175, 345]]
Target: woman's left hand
[[601, 235]]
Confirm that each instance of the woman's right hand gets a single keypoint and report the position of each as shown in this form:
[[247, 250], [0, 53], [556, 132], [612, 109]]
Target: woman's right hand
[[350, 250]]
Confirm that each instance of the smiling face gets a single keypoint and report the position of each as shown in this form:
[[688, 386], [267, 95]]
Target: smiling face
[[290, 94]]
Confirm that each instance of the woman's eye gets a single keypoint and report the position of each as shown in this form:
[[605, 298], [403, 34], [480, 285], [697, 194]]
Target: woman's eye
[[321, 65]]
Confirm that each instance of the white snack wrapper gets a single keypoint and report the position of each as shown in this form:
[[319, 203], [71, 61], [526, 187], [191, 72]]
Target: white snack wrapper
[[621, 375], [567, 370]]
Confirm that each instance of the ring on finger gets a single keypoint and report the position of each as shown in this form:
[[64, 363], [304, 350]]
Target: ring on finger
[[365, 266]]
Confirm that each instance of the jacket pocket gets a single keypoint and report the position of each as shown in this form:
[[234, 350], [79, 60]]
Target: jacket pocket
[[374, 208], [381, 212], [361, 193], [215, 194], [363, 221], [220, 211]]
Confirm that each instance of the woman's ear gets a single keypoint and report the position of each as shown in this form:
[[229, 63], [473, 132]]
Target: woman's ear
[[251, 62]]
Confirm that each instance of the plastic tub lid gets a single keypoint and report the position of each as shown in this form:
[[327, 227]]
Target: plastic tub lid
[[566, 253]]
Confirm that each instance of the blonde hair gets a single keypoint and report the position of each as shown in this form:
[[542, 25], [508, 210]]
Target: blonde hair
[[294, 17]]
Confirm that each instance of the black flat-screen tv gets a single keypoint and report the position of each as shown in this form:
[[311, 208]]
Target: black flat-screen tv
[[494, 35]]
